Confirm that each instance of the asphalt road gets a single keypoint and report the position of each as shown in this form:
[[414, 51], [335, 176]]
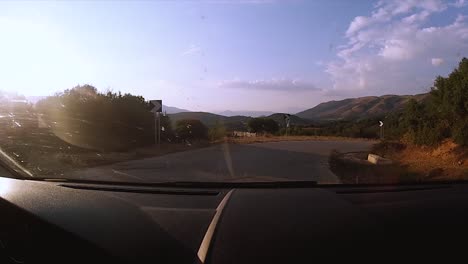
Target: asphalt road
[[291, 160]]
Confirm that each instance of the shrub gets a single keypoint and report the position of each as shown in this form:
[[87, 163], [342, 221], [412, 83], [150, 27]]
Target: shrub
[[460, 133], [190, 129], [263, 125], [217, 132]]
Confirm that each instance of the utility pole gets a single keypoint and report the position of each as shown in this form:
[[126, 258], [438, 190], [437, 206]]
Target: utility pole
[[287, 119]]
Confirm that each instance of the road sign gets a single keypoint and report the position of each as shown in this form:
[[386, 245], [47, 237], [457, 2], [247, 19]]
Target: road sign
[[156, 106], [381, 130]]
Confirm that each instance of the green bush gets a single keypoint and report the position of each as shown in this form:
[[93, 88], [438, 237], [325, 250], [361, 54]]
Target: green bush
[[263, 125], [460, 133], [427, 135], [217, 132], [167, 135], [191, 129]]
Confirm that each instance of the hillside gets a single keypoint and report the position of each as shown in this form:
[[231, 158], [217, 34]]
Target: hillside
[[357, 108], [173, 110], [208, 119]]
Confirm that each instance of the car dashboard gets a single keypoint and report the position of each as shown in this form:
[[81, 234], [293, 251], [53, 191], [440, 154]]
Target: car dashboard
[[55, 222]]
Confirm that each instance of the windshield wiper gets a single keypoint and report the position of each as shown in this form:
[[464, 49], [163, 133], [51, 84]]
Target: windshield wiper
[[189, 184], [17, 171]]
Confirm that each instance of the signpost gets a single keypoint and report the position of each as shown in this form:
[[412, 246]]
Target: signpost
[[287, 119], [156, 108], [381, 130]]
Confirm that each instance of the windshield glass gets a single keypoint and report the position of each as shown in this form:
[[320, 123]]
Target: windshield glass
[[355, 92]]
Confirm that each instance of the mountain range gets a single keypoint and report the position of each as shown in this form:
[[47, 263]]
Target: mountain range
[[347, 109], [358, 108]]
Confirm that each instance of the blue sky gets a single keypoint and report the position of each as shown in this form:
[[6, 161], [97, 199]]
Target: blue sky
[[236, 55]]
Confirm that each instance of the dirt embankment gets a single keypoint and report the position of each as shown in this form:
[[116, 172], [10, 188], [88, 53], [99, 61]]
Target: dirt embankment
[[448, 161], [353, 168]]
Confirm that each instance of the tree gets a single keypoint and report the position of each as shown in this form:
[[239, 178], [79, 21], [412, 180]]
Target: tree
[[444, 114], [263, 125], [450, 101], [190, 129], [86, 118], [424, 126], [218, 131]]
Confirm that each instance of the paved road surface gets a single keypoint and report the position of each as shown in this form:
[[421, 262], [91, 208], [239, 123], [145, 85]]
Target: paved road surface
[[293, 160]]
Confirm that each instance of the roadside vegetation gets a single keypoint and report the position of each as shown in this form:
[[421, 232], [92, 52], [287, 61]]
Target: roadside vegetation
[[81, 128], [442, 115], [412, 164], [428, 141]]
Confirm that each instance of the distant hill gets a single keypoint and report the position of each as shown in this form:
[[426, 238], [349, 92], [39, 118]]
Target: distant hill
[[210, 119], [294, 120], [246, 113], [206, 118], [358, 108], [234, 122], [173, 110]]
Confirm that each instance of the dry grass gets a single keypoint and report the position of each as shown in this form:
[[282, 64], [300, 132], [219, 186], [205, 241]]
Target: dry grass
[[448, 161]]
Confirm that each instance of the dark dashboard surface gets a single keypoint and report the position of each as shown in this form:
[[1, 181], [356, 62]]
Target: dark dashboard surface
[[76, 223]]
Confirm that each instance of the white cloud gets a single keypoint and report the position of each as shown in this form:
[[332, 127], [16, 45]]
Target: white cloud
[[192, 50], [388, 52], [390, 8], [460, 3], [437, 61], [357, 24], [289, 85], [397, 49], [417, 17]]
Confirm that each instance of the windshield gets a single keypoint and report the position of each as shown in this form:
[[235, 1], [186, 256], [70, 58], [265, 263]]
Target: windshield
[[354, 92]]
